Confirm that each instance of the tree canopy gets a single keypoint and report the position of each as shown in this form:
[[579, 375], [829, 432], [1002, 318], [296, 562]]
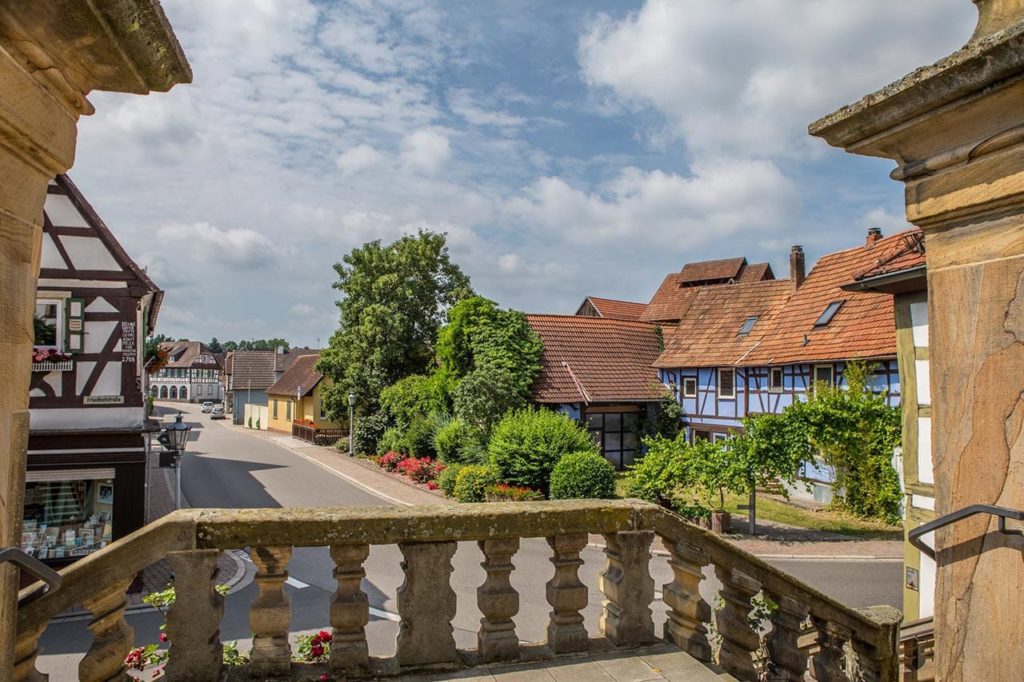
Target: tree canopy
[[394, 299]]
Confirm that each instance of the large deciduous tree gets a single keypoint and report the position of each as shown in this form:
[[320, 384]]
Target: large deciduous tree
[[394, 298]]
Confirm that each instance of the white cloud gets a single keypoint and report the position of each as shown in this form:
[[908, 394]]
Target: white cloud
[[641, 208], [465, 104], [302, 310], [358, 158], [426, 149], [745, 77], [887, 220], [237, 247]]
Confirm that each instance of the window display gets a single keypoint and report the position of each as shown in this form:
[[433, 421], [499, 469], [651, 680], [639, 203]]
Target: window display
[[67, 519]]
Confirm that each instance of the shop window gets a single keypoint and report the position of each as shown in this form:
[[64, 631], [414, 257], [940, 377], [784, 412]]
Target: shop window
[[65, 519]]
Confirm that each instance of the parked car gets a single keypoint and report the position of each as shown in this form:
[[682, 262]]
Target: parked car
[[217, 412], [207, 407]]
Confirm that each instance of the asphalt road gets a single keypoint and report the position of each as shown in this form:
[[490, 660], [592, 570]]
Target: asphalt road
[[224, 467]]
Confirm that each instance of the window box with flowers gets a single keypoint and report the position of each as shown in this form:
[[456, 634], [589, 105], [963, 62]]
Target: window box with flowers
[[51, 360]]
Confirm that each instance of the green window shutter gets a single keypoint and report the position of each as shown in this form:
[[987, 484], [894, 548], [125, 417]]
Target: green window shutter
[[74, 325]]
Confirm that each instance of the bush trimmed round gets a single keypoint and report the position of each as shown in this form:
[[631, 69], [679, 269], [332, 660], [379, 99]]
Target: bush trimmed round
[[526, 445], [583, 475], [472, 482], [448, 476]]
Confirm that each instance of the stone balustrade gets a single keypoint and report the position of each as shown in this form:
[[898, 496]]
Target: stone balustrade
[[851, 644]]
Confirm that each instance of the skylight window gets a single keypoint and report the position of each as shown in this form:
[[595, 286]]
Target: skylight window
[[748, 324], [830, 311]]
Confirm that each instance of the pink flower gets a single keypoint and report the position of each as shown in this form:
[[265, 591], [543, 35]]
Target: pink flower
[[323, 677], [317, 650], [431, 485], [325, 636], [163, 636]]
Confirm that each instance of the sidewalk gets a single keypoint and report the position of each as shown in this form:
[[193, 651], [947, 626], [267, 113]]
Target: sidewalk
[[774, 541]]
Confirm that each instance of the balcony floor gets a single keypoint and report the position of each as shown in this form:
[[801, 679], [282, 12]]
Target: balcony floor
[[659, 662]]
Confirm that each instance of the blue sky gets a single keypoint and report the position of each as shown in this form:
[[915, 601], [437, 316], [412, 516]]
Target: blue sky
[[567, 148]]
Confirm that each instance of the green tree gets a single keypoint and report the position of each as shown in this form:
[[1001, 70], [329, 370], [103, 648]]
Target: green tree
[[252, 344], [215, 346], [855, 432], [485, 396], [394, 298], [481, 336]]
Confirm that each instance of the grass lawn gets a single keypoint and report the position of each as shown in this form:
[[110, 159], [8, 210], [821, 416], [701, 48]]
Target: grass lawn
[[779, 510]]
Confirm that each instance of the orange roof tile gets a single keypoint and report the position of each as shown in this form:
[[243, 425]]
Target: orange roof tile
[[594, 360], [709, 335], [899, 254], [677, 291], [617, 310], [862, 328]]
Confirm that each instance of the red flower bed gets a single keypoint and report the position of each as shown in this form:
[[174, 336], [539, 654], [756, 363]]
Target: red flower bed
[[420, 470], [391, 460], [304, 422], [503, 492]]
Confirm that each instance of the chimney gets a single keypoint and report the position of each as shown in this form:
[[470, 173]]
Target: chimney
[[280, 350], [874, 234], [796, 267]]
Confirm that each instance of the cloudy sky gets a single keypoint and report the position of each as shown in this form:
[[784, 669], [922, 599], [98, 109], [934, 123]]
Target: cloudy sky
[[567, 148]]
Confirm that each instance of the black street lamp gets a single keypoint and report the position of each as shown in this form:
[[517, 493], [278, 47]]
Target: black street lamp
[[174, 438], [351, 421]]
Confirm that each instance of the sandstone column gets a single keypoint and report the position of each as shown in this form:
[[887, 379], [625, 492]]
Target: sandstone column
[[956, 131], [52, 54]]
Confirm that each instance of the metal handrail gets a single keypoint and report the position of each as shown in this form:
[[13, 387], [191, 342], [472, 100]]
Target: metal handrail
[[29, 564], [1001, 512]]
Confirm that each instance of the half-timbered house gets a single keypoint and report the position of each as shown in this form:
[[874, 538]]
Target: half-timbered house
[[781, 348], [86, 478], [192, 373]]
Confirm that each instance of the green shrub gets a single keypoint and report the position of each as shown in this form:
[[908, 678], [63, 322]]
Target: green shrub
[[485, 396], [393, 440], [367, 432], [420, 437], [472, 482], [341, 445], [457, 441], [412, 398], [526, 445], [655, 477], [503, 492], [446, 479], [582, 475]]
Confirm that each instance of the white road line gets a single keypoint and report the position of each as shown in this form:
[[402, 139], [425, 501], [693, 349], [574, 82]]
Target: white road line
[[387, 615], [295, 582]]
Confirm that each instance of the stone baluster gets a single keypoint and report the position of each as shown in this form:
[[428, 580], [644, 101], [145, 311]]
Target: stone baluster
[[628, 588], [112, 637], [688, 613], [828, 664], [877, 659], [350, 610], [26, 649], [498, 602], [739, 640], [426, 604], [567, 595], [193, 623], [787, 662], [270, 614]]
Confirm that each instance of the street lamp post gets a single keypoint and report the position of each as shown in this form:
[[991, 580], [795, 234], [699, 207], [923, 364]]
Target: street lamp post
[[351, 421], [174, 438]]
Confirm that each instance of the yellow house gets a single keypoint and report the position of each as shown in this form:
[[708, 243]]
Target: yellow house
[[295, 405]]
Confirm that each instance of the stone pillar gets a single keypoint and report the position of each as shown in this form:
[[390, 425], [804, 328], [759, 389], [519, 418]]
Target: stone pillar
[[193, 624], [112, 637], [956, 131], [426, 604], [787, 662], [688, 613], [498, 602], [350, 610], [739, 641], [567, 595], [628, 588], [52, 54], [270, 614]]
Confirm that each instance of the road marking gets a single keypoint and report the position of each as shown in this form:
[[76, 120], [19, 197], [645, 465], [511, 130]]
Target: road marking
[[295, 582], [386, 615]]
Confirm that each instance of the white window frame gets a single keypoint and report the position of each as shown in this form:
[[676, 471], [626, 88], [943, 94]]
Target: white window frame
[[831, 375], [57, 301], [782, 380], [717, 437], [685, 393], [721, 393]]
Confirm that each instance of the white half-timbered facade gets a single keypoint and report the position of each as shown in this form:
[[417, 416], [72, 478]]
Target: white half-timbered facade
[[86, 478], [192, 373]]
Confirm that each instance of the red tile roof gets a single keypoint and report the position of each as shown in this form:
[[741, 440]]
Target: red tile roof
[[900, 254], [727, 268], [594, 360], [301, 375], [617, 310], [862, 328], [191, 354], [709, 334], [677, 291]]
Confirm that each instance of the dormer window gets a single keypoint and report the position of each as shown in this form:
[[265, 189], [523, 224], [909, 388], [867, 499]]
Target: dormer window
[[747, 325], [830, 311]]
